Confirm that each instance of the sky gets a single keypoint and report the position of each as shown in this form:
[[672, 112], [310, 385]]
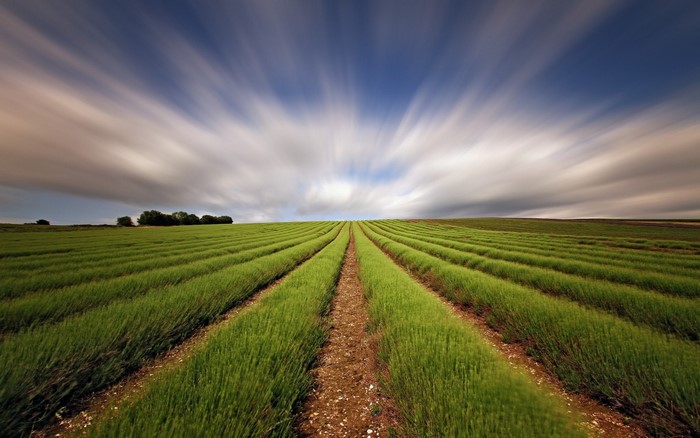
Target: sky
[[308, 110]]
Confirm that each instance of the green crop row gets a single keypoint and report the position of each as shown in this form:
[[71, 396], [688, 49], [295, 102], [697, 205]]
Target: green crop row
[[52, 306], [444, 377], [74, 275], [677, 316], [673, 285], [606, 257], [600, 245], [581, 229], [104, 255], [646, 375], [549, 245], [44, 369], [21, 247], [248, 376]]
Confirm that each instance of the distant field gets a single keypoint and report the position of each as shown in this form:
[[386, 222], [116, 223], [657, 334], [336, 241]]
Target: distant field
[[608, 228], [610, 309]]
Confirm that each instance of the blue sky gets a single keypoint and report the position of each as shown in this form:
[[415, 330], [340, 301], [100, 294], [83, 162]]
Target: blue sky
[[268, 110]]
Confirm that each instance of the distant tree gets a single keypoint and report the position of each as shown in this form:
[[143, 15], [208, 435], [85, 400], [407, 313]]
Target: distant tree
[[155, 218], [180, 217], [43, 222], [125, 221], [184, 218], [207, 219], [192, 219]]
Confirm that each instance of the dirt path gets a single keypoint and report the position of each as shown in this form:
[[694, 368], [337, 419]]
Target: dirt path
[[107, 401], [346, 400], [598, 419]]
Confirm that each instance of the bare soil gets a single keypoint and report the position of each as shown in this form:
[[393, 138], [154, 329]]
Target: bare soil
[[346, 400], [102, 404]]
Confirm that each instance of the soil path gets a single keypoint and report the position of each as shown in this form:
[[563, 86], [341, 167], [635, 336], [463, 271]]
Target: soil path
[[106, 402], [599, 420], [346, 400]]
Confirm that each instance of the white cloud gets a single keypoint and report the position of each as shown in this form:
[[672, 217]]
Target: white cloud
[[234, 144]]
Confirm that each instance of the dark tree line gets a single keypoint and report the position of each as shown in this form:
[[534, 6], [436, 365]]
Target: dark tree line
[[158, 219]]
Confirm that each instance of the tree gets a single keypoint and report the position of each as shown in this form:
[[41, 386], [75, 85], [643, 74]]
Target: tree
[[155, 218], [224, 220], [207, 219], [43, 222], [125, 221], [180, 217], [192, 219], [184, 218]]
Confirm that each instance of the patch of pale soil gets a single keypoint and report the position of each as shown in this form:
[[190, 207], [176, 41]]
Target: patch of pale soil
[[107, 402], [346, 400], [599, 420]]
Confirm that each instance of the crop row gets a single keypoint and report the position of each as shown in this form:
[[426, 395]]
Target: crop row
[[54, 305], [677, 316], [643, 236], [74, 275], [549, 245], [43, 369], [57, 246], [445, 378], [248, 376], [105, 255], [606, 245], [680, 286], [646, 374]]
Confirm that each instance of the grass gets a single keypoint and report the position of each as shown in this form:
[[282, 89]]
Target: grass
[[677, 316], [445, 379], [645, 374], [54, 305], [110, 253], [577, 228], [44, 369], [152, 259], [592, 301], [246, 379], [579, 249]]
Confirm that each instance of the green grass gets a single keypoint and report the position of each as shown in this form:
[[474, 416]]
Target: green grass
[[445, 379], [577, 228], [603, 250], [53, 305], [592, 301], [672, 285], [247, 378], [645, 374], [115, 247], [44, 369], [151, 259], [99, 254], [677, 316]]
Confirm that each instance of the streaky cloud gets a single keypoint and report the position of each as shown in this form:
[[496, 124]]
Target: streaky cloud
[[296, 110]]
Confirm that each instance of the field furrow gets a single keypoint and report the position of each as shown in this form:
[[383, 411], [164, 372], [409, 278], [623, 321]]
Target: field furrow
[[248, 376], [46, 367], [673, 315], [67, 274], [54, 305], [646, 375], [439, 368]]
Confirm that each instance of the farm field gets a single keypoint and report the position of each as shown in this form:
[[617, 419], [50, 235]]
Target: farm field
[[470, 327]]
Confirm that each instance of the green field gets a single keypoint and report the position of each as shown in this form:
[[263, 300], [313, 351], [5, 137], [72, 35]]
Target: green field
[[609, 308]]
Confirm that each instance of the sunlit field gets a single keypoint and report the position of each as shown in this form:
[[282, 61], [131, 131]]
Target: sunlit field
[[611, 310]]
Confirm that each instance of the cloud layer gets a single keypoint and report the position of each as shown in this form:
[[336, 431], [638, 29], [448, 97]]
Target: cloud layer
[[301, 110]]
